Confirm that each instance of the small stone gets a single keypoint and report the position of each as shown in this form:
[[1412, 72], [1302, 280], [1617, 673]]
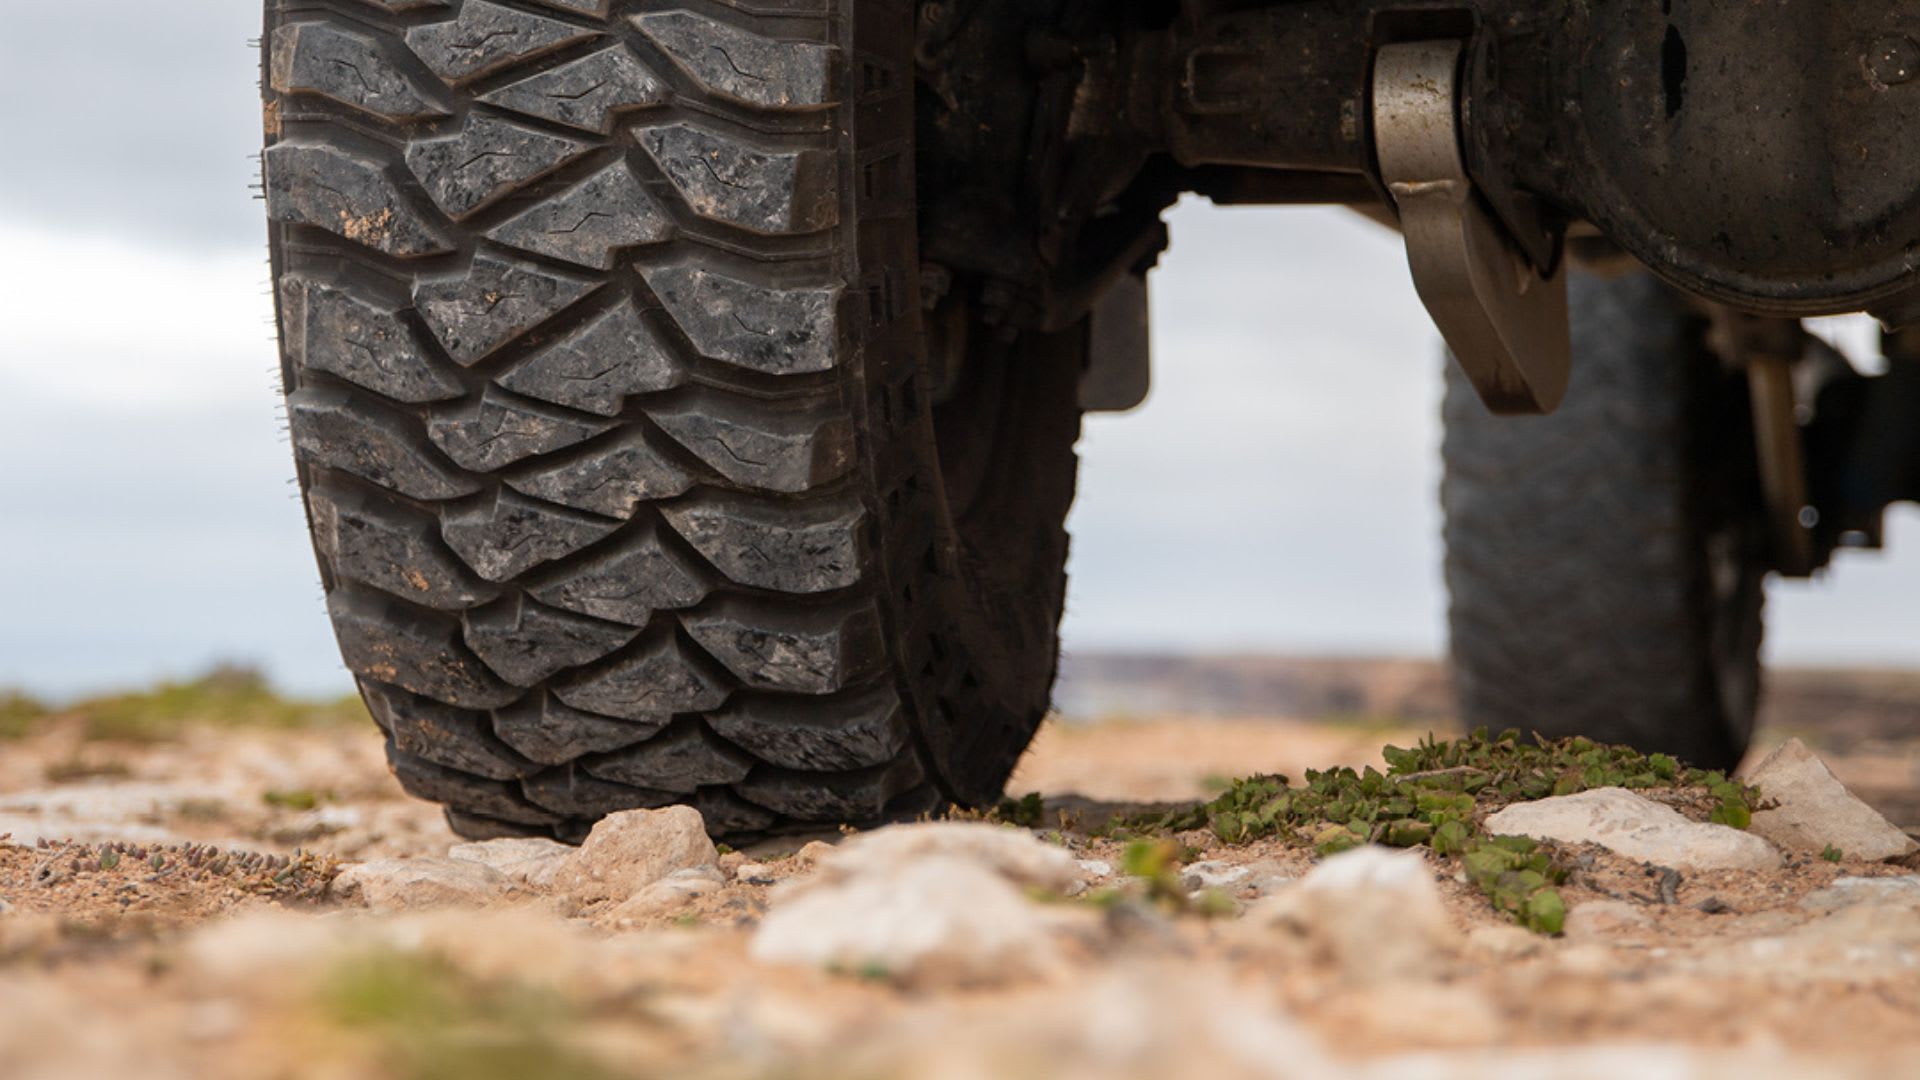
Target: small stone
[[1849, 891], [1014, 854], [753, 873], [1815, 811], [812, 852], [668, 894], [406, 884], [530, 860], [5, 907], [1372, 911], [1213, 874], [1503, 940], [938, 918], [1596, 918], [1638, 828], [632, 849], [1095, 869]]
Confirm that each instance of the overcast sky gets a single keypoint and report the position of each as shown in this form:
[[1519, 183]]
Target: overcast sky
[[1278, 492]]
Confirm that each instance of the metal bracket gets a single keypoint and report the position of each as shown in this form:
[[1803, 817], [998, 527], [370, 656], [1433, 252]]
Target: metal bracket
[[1505, 322]]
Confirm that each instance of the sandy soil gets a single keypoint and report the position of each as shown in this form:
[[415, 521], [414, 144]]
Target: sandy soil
[[166, 914]]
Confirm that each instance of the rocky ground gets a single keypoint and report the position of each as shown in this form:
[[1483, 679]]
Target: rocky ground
[[239, 902]]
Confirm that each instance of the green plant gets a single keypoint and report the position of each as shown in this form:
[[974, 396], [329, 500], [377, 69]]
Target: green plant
[[19, 714], [430, 1021], [227, 697], [1436, 794], [1832, 854], [292, 799]]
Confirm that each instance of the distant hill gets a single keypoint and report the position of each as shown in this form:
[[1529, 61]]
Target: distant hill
[[1842, 708]]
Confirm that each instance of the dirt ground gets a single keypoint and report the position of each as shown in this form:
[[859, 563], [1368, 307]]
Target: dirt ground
[[164, 912]]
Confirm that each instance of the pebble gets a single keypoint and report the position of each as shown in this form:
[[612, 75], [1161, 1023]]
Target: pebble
[[1015, 854], [753, 873], [1849, 891], [668, 894], [1815, 810], [1213, 874], [1374, 912], [1638, 828], [1595, 918], [405, 884], [936, 918], [529, 860], [630, 850]]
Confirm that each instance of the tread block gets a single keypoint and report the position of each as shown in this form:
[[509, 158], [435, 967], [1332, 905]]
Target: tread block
[[526, 643], [486, 37], [362, 341], [777, 331], [628, 582], [764, 445], [770, 192], [465, 794], [679, 760], [848, 797], [498, 430], [446, 736], [584, 7], [612, 478], [817, 736], [586, 223], [330, 428], [728, 814], [545, 729], [496, 301], [743, 66], [485, 160], [585, 93], [811, 549], [351, 68], [392, 548], [648, 684], [598, 366], [777, 648], [349, 196], [572, 791], [508, 535], [388, 644]]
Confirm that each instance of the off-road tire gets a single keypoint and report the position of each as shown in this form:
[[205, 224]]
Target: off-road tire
[[601, 327], [1606, 563]]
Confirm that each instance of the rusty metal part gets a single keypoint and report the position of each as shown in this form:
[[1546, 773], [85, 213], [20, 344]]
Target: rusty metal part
[[1505, 321]]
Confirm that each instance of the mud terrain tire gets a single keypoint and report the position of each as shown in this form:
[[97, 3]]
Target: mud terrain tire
[[1606, 563], [601, 329]]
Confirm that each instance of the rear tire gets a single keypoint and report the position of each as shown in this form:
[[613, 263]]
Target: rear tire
[[1606, 563], [602, 344]]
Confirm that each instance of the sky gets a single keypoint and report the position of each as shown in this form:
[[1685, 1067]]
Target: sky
[[1277, 493]]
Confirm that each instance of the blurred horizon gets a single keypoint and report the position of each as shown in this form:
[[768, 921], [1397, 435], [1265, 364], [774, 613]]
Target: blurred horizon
[[1276, 496]]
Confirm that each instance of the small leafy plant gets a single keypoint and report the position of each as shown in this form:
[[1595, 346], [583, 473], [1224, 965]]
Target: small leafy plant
[[1435, 794]]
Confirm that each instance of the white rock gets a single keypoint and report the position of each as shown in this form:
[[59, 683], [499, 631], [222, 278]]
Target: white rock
[[1596, 918], [1373, 911], [668, 894], [753, 873], [402, 884], [1816, 810], [1213, 874], [529, 860], [1638, 828], [1014, 854], [630, 850], [1094, 869], [937, 918], [1848, 891]]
